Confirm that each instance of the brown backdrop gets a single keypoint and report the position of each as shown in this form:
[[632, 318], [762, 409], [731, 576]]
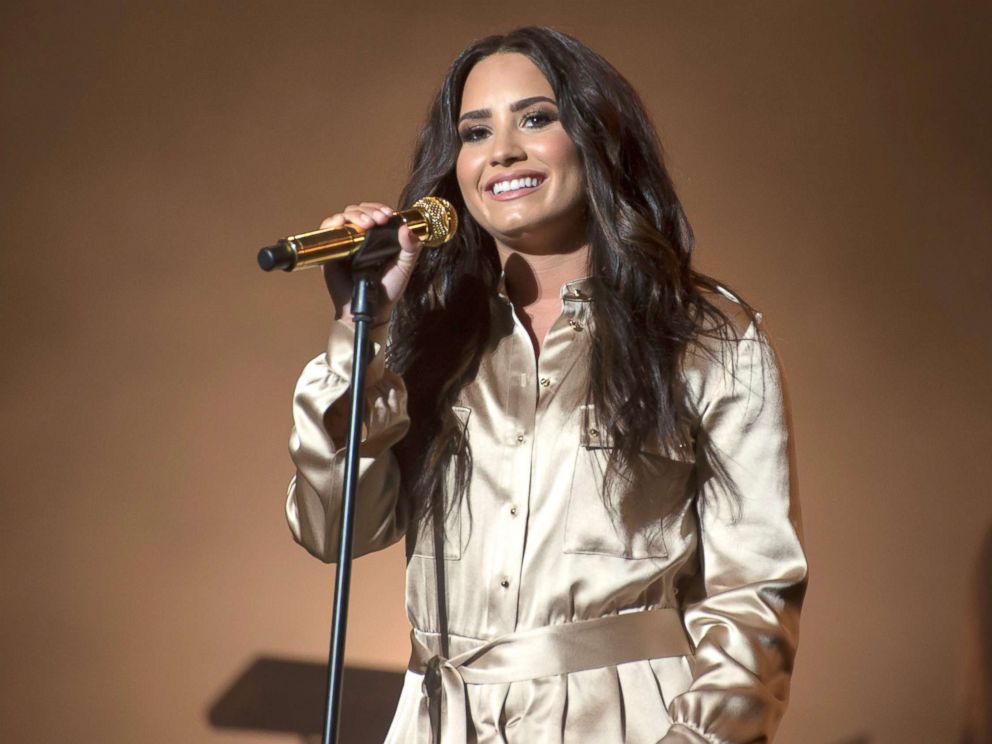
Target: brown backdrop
[[834, 158]]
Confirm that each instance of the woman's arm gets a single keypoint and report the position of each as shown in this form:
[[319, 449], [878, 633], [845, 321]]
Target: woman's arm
[[317, 447], [745, 624], [321, 410]]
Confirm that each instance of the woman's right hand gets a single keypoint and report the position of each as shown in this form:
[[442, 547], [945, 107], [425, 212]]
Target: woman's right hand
[[337, 274]]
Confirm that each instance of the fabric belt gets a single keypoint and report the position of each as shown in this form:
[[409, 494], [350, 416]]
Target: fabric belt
[[540, 652]]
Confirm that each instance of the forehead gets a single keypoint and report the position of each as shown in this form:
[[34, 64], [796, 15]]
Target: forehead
[[500, 79]]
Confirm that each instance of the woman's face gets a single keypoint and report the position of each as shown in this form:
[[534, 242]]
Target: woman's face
[[519, 172]]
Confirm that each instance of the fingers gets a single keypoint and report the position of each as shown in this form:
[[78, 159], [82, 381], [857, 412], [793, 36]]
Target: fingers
[[409, 243], [365, 215], [397, 272]]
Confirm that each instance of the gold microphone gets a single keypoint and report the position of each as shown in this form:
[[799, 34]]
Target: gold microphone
[[432, 219]]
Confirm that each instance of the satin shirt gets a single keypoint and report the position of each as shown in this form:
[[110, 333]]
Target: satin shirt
[[534, 542]]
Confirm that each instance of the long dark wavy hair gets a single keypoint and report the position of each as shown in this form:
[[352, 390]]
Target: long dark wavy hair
[[649, 305]]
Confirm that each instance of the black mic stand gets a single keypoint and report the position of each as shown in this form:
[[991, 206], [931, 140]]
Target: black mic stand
[[367, 265]]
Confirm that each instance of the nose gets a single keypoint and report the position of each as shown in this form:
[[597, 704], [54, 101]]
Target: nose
[[506, 148]]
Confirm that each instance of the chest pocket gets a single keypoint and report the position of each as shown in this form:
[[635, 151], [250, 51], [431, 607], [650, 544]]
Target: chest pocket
[[631, 524], [454, 534]]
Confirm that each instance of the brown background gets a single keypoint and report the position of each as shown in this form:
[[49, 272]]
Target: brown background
[[833, 157]]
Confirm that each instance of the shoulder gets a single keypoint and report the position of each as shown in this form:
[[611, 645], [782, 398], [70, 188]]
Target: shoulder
[[730, 354], [726, 320], [737, 313]]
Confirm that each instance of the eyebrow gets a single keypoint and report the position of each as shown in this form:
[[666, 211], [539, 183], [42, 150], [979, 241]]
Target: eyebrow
[[515, 106]]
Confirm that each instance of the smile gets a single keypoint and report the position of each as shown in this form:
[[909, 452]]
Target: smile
[[513, 187]]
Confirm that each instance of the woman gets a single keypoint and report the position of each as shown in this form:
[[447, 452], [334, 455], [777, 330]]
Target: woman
[[596, 430]]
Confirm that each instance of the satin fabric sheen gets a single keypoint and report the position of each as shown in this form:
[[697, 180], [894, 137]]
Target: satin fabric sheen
[[533, 543], [552, 650]]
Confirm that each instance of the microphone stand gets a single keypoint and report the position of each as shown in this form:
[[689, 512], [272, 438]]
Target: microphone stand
[[367, 266]]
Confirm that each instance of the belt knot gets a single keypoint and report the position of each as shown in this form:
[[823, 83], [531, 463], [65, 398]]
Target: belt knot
[[432, 689], [432, 677]]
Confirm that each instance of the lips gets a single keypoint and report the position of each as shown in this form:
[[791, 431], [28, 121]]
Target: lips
[[514, 184]]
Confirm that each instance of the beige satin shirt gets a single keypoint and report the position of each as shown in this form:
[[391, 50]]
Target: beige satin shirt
[[534, 545]]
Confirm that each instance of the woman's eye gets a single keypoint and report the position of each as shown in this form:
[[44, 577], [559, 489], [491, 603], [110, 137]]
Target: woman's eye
[[473, 134], [537, 119]]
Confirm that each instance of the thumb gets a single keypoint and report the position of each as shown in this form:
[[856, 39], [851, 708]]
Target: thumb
[[410, 248], [410, 245], [399, 270]]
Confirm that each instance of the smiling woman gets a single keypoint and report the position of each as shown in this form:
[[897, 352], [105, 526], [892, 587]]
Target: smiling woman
[[522, 180], [518, 170], [582, 439]]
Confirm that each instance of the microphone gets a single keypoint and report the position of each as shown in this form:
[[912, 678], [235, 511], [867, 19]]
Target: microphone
[[432, 219]]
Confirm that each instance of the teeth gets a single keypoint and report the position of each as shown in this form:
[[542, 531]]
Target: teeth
[[515, 183]]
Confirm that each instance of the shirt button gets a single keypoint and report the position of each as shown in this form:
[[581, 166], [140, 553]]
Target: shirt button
[[594, 433], [513, 511], [520, 438], [576, 325], [504, 582], [545, 382]]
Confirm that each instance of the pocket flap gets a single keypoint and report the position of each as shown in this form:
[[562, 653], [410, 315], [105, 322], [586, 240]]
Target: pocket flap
[[594, 435]]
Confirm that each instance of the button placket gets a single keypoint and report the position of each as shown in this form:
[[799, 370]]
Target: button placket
[[505, 561], [528, 436]]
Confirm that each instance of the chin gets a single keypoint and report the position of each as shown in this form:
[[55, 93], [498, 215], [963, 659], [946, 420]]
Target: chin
[[515, 232], [519, 225]]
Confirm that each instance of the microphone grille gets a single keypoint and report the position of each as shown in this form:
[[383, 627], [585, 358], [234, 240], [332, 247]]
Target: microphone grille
[[441, 218]]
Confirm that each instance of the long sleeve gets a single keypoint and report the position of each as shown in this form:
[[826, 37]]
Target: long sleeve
[[744, 618], [317, 447]]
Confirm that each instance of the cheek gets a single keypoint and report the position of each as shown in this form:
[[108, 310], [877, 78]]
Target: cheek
[[562, 154], [467, 173]]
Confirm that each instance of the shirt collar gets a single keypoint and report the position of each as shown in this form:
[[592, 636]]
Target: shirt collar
[[577, 290]]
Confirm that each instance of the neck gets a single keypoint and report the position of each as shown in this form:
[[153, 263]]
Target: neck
[[532, 278]]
